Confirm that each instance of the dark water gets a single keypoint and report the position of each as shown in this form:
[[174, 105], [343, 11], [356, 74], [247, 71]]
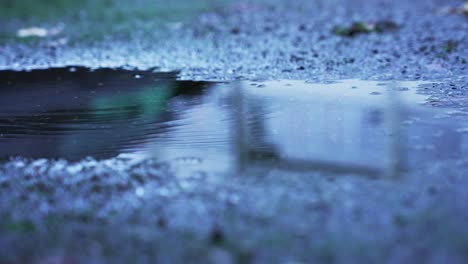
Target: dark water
[[72, 113], [348, 126]]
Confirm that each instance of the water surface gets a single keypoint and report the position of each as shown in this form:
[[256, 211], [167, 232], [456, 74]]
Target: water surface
[[349, 126]]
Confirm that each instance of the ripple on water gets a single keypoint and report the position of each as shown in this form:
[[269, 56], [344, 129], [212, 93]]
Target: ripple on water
[[346, 125]]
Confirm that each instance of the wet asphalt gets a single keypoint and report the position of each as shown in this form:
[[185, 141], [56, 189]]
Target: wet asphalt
[[118, 211]]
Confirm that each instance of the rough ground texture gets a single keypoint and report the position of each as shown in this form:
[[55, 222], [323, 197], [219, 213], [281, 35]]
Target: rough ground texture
[[271, 39], [118, 211]]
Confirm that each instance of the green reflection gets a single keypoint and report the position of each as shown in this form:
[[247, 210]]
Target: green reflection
[[148, 102]]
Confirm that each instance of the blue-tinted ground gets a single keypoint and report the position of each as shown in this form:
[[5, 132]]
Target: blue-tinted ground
[[62, 212]]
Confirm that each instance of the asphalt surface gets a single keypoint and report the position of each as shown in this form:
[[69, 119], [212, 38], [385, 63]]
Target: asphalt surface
[[118, 211]]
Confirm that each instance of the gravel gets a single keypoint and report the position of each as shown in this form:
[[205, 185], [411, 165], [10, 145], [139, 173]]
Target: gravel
[[119, 210]]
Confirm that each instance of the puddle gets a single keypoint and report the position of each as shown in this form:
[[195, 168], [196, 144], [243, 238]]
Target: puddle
[[352, 126]]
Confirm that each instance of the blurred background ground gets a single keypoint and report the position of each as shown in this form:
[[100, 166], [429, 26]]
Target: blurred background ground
[[241, 39]]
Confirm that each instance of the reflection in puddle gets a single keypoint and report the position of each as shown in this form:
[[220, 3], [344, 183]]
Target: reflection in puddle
[[350, 126]]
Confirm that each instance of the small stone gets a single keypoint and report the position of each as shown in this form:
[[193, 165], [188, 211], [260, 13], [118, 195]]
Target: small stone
[[162, 223], [217, 235], [32, 32], [140, 192]]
